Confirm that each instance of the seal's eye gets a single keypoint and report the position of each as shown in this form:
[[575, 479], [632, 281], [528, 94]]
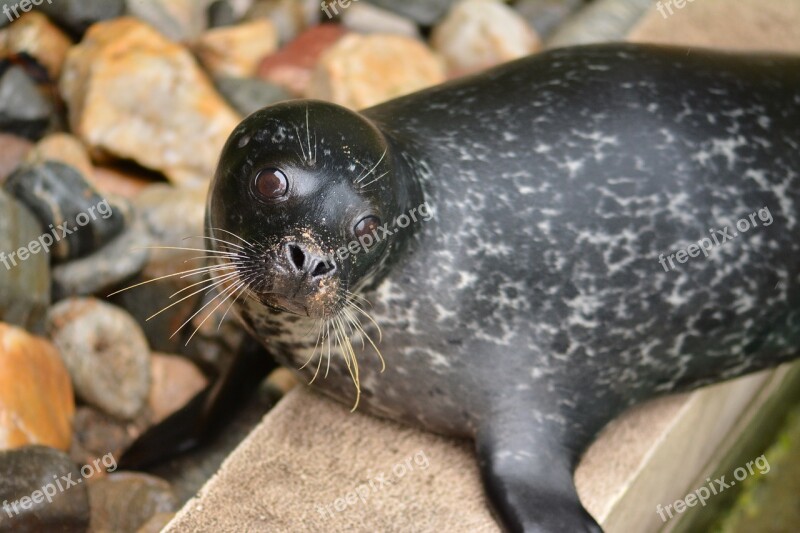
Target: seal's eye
[[270, 184], [366, 226]]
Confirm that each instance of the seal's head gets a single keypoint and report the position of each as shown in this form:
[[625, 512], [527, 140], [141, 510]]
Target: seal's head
[[305, 186]]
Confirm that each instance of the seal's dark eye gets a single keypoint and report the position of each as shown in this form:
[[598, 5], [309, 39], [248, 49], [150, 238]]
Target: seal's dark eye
[[366, 226], [270, 184]]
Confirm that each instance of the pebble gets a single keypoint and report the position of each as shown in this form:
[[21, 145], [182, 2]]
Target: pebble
[[157, 523], [97, 434], [292, 66], [34, 34], [36, 397], [545, 16], [175, 381], [363, 70], [125, 501], [106, 354], [424, 12], [177, 20], [24, 287], [105, 268], [119, 181], [478, 34], [601, 21], [13, 151], [64, 148], [366, 18], [64, 202], [247, 95], [77, 15], [236, 51], [23, 110], [169, 107], [31, 469], [290, 17]]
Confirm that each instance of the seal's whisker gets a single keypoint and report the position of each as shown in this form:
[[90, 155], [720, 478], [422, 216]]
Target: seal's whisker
[[228, 290], [300, 141], [367, 315], [373, 181], [242, 290], [328, 334], [217, 282], [203, 282], [209, 269], [232, 235], [199, 270], [319, 333], [218, 252], [308, 138], [214, 239], [361, 178], [363, 333]]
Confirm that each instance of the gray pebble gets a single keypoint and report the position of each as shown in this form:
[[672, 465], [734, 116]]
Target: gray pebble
[[125, 501], [424, 12], [366, 18], [600, 21], [545, 16], [248, 95], [23, 109], [77, 15]]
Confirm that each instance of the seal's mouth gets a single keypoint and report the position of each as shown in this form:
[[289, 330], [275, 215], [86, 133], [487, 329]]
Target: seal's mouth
[[279, 302]]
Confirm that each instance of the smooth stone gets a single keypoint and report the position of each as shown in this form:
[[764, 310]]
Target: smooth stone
[[545, 16], [600, 21], [157, 523], [77, 15], [248, 95], [221, 14], [177, 20], [63, 148], [36, 398], [13, 151], [236, 50], [478, 34], [34, 34], [290, 17], [31, 469], [124, 502], [291, 67], [106, 354], [59, 196], [98, 273], [366, 18], [360, 71], [424, 12], [23, 110], [175, 381], [179, 123], [96, 435], [24, 286]]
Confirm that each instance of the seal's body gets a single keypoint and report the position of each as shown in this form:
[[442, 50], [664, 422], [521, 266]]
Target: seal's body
[[554, 284]]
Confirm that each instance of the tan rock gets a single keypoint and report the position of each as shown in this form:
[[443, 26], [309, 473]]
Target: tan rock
[[364, 70], [119, 181], [477, 34], [134, 94], [35, 34], [64, 148], [36, 399], [237, 51], [13, 151], [175, 381]]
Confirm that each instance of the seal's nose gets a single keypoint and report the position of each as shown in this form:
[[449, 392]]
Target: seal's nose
[[307, 263]]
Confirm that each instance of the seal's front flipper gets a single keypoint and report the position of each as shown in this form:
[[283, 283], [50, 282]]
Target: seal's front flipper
[[206, 415], [528, 480]]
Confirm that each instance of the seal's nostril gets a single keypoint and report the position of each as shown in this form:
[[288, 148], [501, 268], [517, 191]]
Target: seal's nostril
[[323, 268], [297, 256]]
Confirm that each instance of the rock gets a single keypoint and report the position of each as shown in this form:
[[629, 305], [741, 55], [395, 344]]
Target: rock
[[177, 20], [363, 70], [366, 18], [237, 50], [23, 110], [175, 382], [247, 95], [34, 34], [13, 151], [603, 21], [77, 15], [106, 354], [98, 273], [36, 398], [69, 210], [125, 501], [477, 34], [544, 16], [221, 14], [24, 288], [119, 181], [292, 66], [30, 478], [290, 17], [125, 73], [64, 148], [156, 523], [98, 435], [424, 12]]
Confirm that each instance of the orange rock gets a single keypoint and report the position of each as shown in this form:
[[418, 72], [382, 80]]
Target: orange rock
[[122, 182], [136, 95], [175, 381], [35, 34], [291, 67], [236, 51], [36, 399], [64, 148], [363, 70]]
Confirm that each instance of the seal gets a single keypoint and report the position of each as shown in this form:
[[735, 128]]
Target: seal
[[526, 240]]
